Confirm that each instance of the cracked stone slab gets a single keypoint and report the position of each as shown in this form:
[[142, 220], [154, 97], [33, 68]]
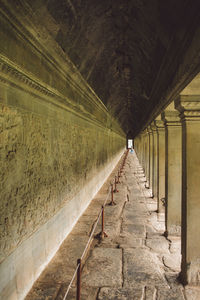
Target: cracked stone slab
[[159, 245], [171, 294], [136, 230], [103, 268], [44, 291], [192, 293], [127, 240], [119, 294], [173, 261], [142, 268], [111, 229], [87, 293], [70, 250]]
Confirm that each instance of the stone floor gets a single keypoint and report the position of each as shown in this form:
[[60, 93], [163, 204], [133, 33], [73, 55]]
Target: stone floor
[[134, 262]]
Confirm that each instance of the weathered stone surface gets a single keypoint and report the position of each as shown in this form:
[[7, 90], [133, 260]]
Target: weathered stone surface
[[159, 245], [172, 261], [192, 293], [127, 240], [141, 267], [119, 294], [136, 230], [104, 268]]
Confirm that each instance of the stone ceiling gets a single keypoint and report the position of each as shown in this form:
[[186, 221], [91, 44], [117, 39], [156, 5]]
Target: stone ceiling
[[121, 46]]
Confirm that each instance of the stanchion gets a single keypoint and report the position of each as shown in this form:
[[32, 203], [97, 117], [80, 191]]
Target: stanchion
[[115, 189], [112, 198], [78, 288], [118, 174], [103, 234]]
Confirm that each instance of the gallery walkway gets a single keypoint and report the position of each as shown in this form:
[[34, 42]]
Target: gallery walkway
[[135, 261]]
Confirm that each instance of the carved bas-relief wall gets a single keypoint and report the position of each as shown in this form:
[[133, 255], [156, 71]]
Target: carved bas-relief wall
[[58, 144]]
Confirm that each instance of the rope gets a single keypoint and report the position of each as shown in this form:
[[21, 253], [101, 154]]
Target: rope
[[71, 282], [87, 245]]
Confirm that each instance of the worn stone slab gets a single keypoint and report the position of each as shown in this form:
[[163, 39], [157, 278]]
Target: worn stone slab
[[173, 261], [44, 291], [70, 250], [171, 294], [192, 293], [136, 230], [112, 229], [175, 246], [141, 268], [119, 294], [103, 268], [159, 245], [127, 240], [87, 293]]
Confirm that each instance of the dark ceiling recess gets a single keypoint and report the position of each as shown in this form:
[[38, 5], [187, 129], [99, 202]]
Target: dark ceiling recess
[[121, 46]]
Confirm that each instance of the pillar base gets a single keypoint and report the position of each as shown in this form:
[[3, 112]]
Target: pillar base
[[190, 273], [173, 230]]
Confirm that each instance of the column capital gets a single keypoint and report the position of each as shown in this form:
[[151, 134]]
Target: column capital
[[171, 118], [149, 129], [188, 106], [159, 124], [153, 126]]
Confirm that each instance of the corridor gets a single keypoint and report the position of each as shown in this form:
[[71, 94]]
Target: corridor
[[135, 261]]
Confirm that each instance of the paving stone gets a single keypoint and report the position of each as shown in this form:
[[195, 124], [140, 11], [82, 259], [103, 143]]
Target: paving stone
[[136, 230], [130, 218], [172, 261], [141, 268], [70, 251], [192, 293], [175, 246], [43, 291], [169, 294], [87, 293], [119, 294], [112, 229], [103, 268], [127, 240], [159, 245]]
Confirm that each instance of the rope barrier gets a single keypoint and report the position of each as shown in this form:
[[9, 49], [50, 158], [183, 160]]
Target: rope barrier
[[69, 286], [101, 213]]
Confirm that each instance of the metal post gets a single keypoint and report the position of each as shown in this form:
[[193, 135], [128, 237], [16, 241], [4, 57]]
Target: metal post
[[112, 200], [115, 190], [102, 222], [78, 288], [118, 176], [103, 234], [112, 194]]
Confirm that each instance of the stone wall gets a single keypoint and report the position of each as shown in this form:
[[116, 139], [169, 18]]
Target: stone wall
[[58, 144], [46, 158]]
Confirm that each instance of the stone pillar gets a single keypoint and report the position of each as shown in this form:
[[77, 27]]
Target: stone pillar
[[141, 150], [147, 157], [189, 106], [161, 163], [155, 160], [151, 157], [173, 170]]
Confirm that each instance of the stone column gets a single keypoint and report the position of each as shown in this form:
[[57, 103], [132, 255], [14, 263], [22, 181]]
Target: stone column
[[142, 149], [189, 106], [147, 157], [173, 171], [161, 163], [151, 156], [155, 160]]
